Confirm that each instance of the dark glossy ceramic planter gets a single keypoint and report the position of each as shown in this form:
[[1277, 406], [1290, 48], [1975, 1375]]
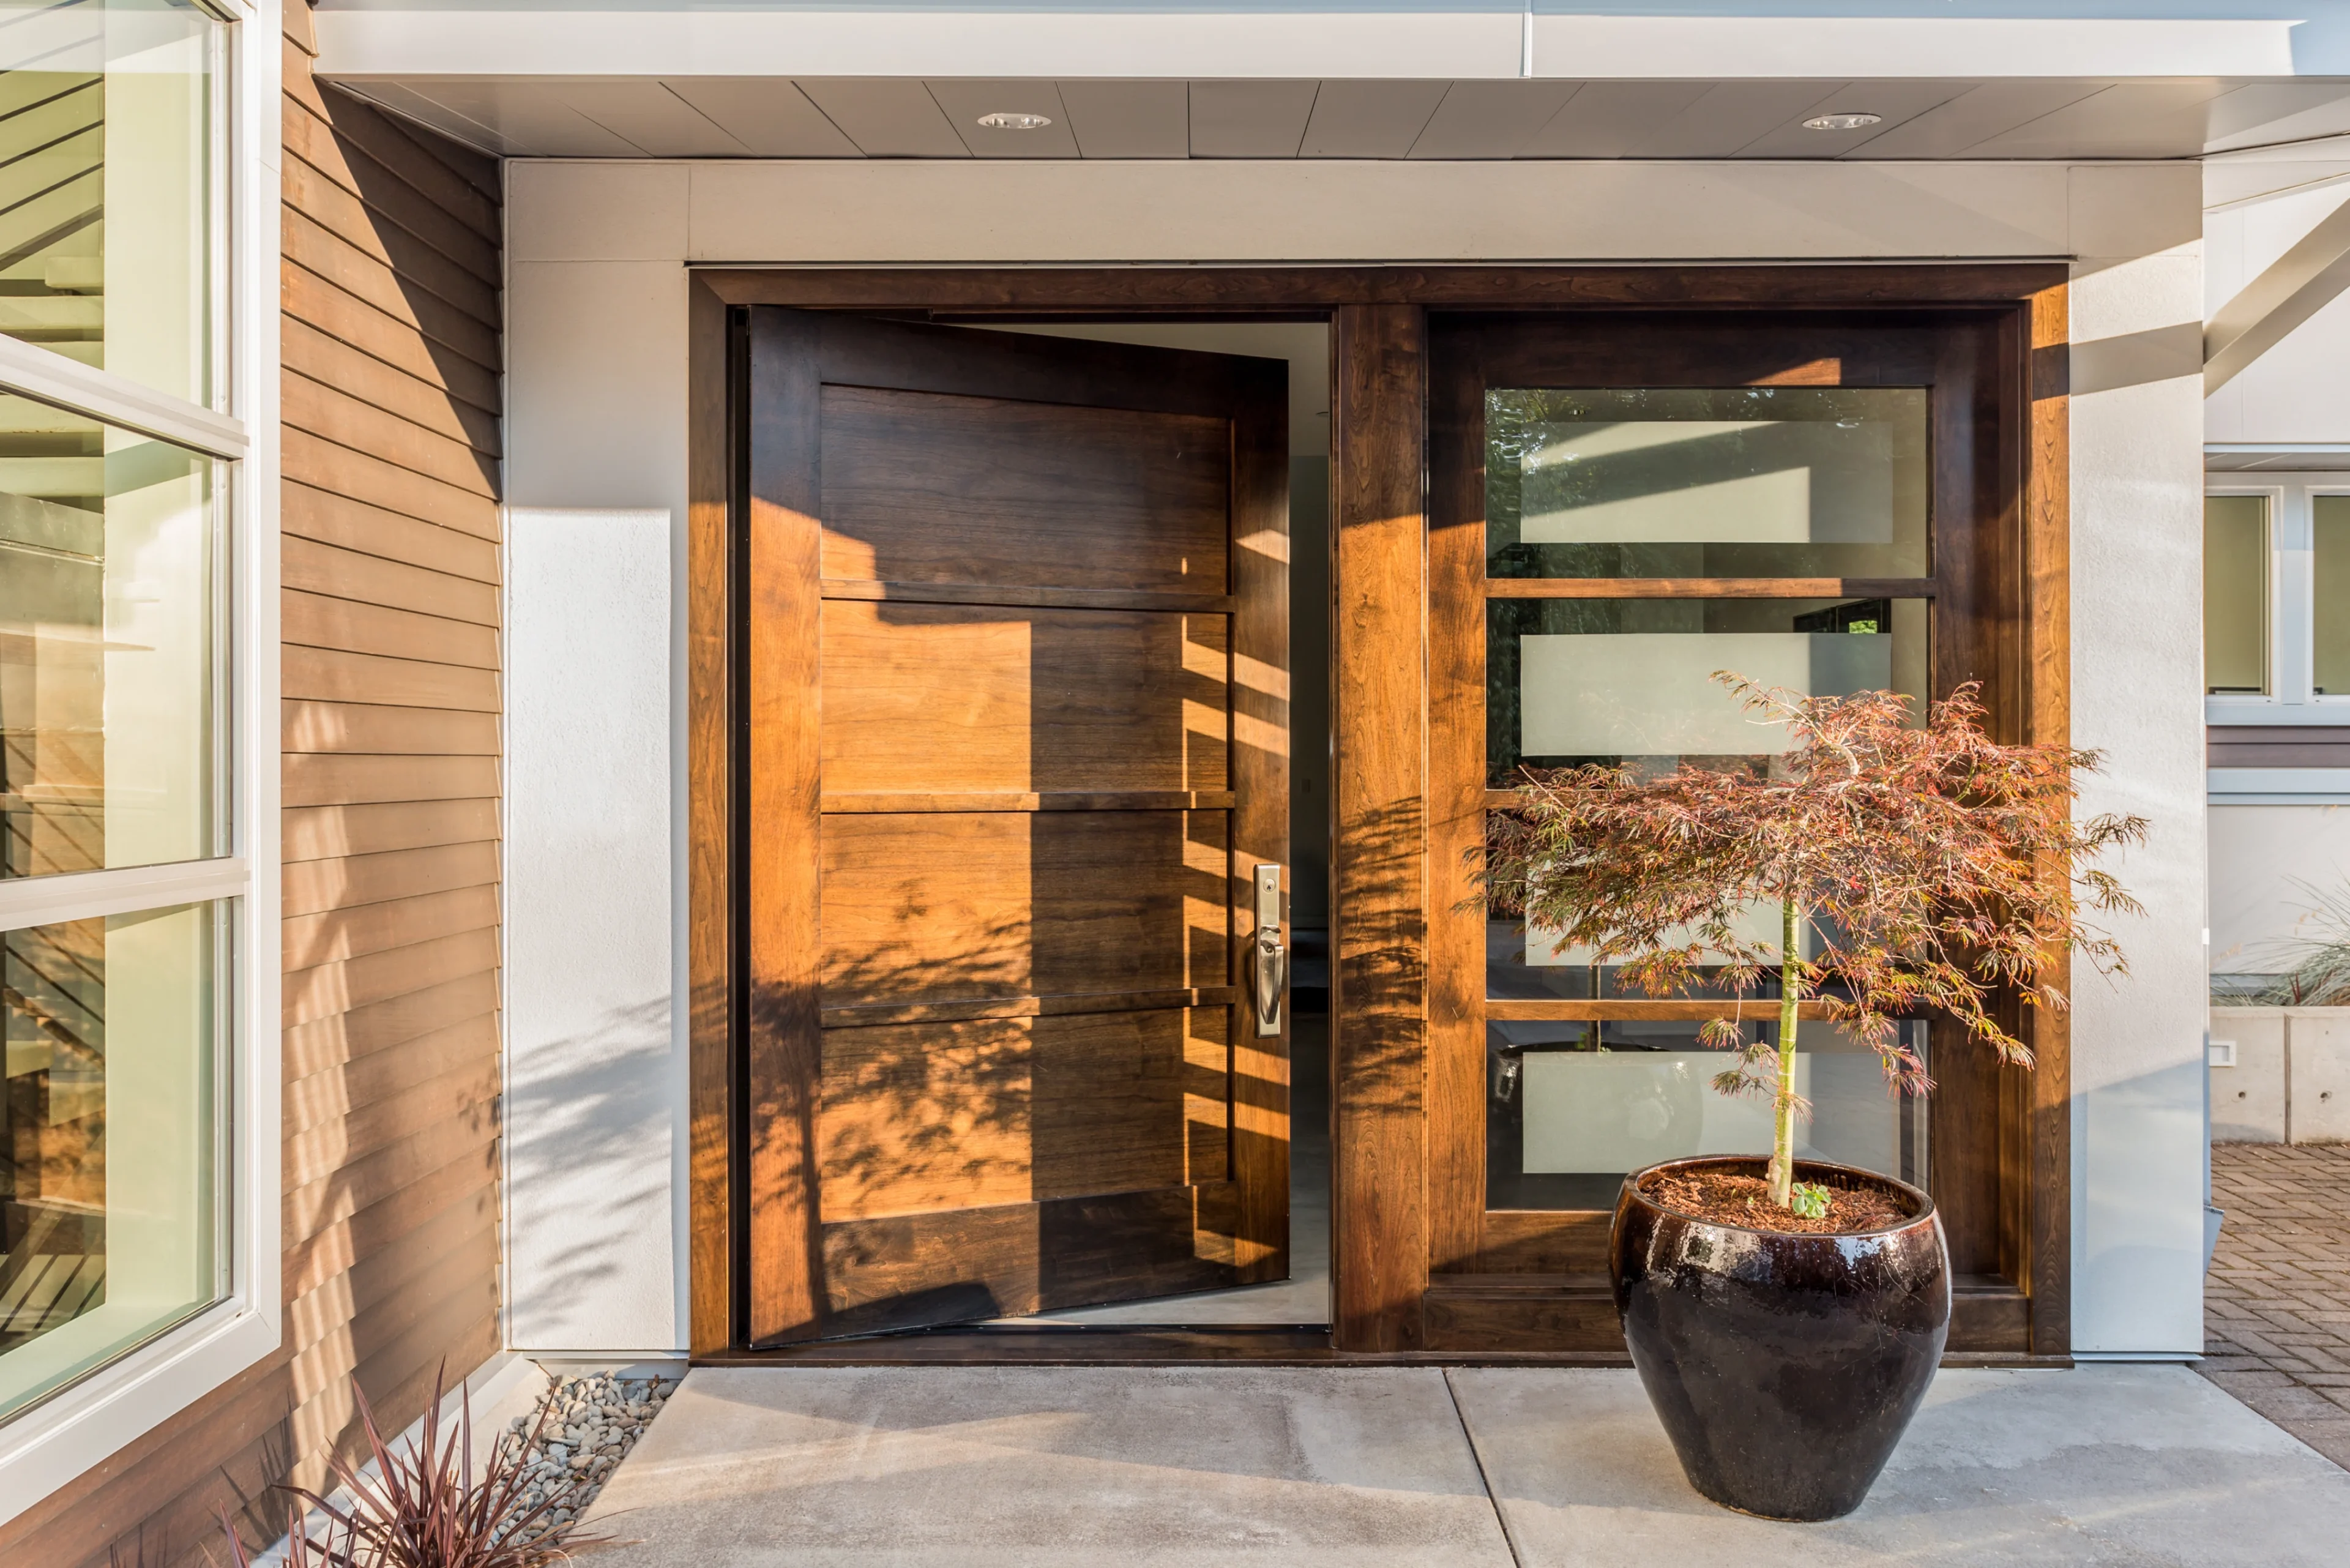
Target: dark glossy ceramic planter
[[1785, 1367]]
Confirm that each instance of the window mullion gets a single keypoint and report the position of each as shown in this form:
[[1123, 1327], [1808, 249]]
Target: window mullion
[[86, 895], [53, 379]]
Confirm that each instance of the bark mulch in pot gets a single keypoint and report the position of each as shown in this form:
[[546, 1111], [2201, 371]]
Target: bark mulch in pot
[[1745, 1201]]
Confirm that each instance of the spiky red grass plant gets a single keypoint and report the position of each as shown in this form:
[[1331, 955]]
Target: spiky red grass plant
[[422, 1508]]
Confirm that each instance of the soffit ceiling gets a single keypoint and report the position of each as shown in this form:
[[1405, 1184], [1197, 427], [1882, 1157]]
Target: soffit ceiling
[[703, 116]]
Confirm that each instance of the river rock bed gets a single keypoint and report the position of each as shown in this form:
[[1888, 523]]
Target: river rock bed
[[591, 1423]]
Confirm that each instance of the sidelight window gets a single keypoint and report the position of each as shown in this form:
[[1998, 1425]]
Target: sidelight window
[[1615, 521]]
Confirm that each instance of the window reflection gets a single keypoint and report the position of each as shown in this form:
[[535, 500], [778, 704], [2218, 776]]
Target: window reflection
[[105, 630], [107, 111], [108, 1192]]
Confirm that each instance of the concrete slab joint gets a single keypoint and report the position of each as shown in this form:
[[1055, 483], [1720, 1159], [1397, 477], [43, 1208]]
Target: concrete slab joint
[[1479, 1467]]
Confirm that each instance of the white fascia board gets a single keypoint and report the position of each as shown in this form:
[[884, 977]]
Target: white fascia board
[[1377, 45], [1856, 47], [2279, 786], [358, 44]]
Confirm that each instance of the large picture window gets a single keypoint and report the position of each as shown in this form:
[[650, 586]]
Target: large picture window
[[126, 869]]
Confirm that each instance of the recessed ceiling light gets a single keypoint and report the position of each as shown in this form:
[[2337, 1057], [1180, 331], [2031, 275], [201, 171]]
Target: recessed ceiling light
[[1841, 121], [1006, 119]]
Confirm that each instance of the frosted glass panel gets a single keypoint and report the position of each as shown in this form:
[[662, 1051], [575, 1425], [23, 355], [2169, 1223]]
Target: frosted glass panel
[[1572, 1108], [1626, 681], [1652, 693], [1697, 482]]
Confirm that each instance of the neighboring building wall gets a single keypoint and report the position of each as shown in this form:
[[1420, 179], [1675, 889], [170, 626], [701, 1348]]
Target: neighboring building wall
[[598, 254], [390, 669], [2271, 867]]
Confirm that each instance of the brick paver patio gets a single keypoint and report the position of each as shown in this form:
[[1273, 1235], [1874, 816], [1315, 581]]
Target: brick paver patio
[[2276, 1308]]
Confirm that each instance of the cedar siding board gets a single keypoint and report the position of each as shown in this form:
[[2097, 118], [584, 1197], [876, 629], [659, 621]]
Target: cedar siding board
[[2278, 746], [389, 724]]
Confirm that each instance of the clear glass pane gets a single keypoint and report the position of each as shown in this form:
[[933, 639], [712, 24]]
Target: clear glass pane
[[107, 588], [1629, 681], [107, 132], [2329, 540], [1736, 482], [1572, 1108], [109, 1180], [2236, 595]]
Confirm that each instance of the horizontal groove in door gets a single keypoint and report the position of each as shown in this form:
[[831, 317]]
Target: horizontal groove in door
[[1043, 800], [1029, 598], [1546, 1009], [1028, 1006], [1708, 587]]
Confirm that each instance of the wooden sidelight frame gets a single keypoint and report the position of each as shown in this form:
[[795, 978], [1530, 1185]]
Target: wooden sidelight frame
[[1408, 1284]]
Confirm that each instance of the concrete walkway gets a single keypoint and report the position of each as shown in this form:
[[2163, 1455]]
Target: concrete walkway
[[1421, 1467]]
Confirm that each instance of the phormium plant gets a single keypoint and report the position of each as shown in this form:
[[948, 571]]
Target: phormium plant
[[421, 1508], [1936, 865]]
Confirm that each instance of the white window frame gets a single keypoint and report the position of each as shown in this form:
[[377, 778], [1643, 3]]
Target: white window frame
[[48, 1445], [2292, 697]]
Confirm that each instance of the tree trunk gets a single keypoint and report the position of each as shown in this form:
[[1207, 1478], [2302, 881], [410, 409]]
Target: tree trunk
[[1782, 1102]]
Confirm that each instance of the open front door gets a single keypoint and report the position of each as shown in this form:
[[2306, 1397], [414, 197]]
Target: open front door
[[1017, 721]]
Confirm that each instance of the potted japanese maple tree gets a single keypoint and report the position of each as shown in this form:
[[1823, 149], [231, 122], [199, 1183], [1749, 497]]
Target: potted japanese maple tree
[[1786, 1315]]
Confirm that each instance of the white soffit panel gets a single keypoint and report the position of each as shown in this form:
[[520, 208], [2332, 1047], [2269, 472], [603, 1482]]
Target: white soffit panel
[[2128, 120], [1490, 118], [1730, 116], [887, 117], [772, 118], [964, 101], [1609, 119], [527, 116], [2278, 112], [1130, 119], [1974, 117], [1369, 120], [1894, 103], [655, 119], [1249, 119]]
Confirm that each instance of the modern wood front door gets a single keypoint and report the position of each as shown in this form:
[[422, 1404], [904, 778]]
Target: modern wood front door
[[1017, 764]]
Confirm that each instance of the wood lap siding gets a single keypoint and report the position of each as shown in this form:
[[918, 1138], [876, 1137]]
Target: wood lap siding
[[391, 737], [2278, 746]]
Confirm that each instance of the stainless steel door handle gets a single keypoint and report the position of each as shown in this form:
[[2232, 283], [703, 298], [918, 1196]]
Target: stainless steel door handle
[[1271, 958]]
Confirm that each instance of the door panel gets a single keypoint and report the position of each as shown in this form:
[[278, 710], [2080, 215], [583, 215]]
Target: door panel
[[921, 488], [1034, 590], [925, 1116], [989, 699], [954, 905]]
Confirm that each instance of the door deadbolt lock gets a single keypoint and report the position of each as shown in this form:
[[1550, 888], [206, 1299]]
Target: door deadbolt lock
[[1270, 959]]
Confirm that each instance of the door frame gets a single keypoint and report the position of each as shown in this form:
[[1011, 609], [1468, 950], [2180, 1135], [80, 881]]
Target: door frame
[[1388, 1007]]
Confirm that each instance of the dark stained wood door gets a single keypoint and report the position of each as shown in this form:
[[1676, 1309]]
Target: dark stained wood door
[[1017, 744]]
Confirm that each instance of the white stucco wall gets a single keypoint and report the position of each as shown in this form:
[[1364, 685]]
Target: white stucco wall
[[591, 1112], [596, 419]]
